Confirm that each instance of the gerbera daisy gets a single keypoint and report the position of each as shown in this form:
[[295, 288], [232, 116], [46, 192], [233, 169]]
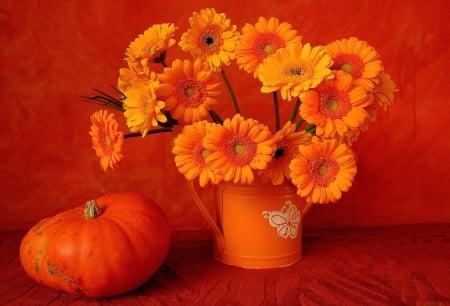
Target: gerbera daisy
[[323, 171], [287, 141], [335, 106], [143, 109], [383, 93], [128, 78], [261, 40], [190, 154], [106, 139], [358, 58], [189, 90], [238, 147], [211, 37], [295, 69], [150, 47]]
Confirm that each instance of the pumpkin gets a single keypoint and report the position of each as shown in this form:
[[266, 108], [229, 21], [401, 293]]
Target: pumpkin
[[110, 246]]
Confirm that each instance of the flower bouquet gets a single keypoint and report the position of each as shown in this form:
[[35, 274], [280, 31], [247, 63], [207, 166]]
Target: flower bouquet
[[333, 92]]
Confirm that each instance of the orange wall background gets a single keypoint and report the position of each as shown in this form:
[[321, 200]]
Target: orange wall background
[[52, 52]]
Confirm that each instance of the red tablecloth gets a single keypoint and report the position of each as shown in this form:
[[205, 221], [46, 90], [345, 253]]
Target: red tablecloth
[[404, 265]]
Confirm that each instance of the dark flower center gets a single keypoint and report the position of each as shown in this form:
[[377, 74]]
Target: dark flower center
[[210, 40], [279, 153]]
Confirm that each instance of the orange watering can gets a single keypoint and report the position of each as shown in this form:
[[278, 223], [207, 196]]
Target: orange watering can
[[257, 225]]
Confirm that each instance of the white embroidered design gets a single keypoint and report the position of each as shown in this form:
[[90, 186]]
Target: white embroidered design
[[285, 221]]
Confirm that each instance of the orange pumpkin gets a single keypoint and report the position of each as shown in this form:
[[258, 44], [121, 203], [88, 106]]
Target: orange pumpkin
[[108, 247]]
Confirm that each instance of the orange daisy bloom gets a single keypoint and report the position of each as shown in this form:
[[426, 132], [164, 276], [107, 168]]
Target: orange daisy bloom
[[211, 37], [238, 147], [358, 58], [189, 90], [383, 93], [128, 78], [106, 139], [335, 106], [143, 110], [287, 141], [261, 40], [190, 153], [150, 47], [295, 69], [323, 171]]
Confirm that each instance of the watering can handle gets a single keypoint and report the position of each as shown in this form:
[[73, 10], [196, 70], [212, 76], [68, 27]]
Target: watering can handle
[[204, 211]]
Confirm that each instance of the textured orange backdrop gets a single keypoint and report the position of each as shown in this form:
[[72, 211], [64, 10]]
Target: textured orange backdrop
[[51, 52]]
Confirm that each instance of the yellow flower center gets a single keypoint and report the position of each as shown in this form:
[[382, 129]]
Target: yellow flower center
[[268, 49], [205, 153], [323, 169], [145, 104], [347, 68], [189, 91], [107, 141], [239, 149], [332, 104]]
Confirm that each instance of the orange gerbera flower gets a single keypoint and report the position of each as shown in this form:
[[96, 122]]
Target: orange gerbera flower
[[189, 90], [261, 40], [190, 153], [106, 139], [358, 58], [238, 147], [211, 37], [128, 78], [287, 141], [335, 106], [150, 47], [143, 110], [323, 171], [383, 93], [295, 69]]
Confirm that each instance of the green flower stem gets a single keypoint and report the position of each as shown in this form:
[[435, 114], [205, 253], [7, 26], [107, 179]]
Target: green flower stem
[[310, 128], [230, 90], [215, 117], [156, 131], [276, 107], [299, 123], [295, 110]]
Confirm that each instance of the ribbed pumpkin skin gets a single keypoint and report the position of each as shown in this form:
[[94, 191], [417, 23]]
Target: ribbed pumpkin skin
[[109, 255]]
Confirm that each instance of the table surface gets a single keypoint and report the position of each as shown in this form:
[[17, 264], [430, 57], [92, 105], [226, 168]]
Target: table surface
[[384, 266]]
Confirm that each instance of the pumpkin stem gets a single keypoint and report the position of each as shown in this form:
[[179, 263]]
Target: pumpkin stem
[[92, 211]]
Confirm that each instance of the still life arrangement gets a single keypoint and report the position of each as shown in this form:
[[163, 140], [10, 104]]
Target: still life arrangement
[[333, 90], [265, 176]]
